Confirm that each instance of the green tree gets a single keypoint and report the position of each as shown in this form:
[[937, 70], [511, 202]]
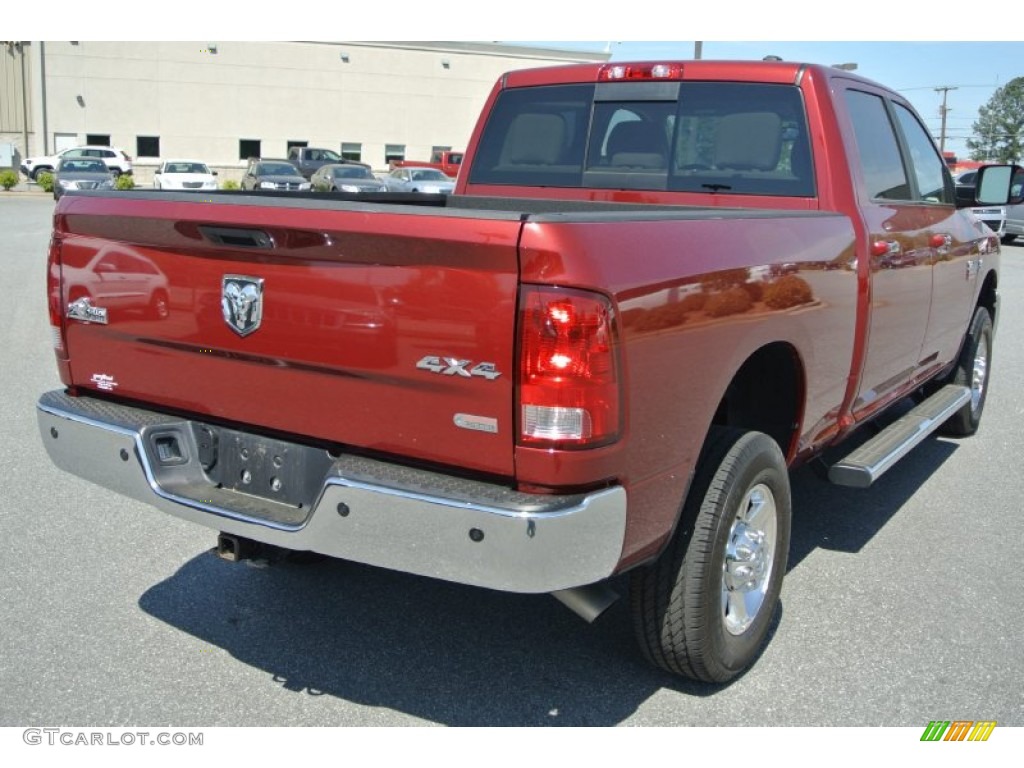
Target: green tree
[[999, 129]]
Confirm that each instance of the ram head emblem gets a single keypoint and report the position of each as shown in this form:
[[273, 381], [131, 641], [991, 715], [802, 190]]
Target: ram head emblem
[[242, 303]]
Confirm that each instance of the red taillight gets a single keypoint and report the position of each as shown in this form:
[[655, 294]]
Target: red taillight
[[568, 377], [641, 72], [53, 298]]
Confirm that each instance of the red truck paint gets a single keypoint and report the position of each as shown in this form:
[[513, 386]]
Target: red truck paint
[[394, 332]]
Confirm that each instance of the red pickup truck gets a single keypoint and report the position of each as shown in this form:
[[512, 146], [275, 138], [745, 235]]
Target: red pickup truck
[[446, 161], [656, 289]]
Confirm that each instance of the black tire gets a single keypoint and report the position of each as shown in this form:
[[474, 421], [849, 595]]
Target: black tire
[[682, 603], [973, 370], [40, 171], [1007, 239]]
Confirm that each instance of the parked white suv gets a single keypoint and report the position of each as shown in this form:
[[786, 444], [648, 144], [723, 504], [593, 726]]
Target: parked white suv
[[115, 159]]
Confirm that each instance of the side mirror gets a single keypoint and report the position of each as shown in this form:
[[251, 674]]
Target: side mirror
[[999, 185], [213, 172]]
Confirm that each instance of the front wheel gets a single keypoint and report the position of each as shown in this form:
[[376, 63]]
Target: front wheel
[[973, 369], [1007, 239], [703, 609]]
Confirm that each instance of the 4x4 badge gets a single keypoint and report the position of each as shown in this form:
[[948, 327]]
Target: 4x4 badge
[[242, 303]]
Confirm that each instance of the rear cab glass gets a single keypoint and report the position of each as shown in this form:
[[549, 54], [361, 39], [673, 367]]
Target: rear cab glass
[[741, 138]]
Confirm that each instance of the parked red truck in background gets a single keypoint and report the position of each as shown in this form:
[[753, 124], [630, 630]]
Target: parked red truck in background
[[657, 288], [446, 161]]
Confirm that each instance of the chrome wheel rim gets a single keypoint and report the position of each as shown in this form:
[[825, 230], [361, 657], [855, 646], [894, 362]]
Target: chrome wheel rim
[[749, 558], [978, 373]]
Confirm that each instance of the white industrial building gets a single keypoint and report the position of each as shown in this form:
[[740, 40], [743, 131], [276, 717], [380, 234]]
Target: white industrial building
[[224, 102]]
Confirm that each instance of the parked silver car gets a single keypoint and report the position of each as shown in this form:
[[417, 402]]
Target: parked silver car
[[81, 173], [346, 178], [425, 180]]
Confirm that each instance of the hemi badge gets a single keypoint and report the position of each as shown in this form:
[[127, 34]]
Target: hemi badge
[[476, 423], [84, 311]]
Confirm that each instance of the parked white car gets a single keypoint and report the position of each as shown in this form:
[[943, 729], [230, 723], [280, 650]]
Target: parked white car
[[115, 159], [184, 175], [994, 217]]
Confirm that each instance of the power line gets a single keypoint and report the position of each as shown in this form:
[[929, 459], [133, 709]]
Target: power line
[[936, 88]]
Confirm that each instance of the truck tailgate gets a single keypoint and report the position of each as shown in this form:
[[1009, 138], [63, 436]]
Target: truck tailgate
[[388, 328]]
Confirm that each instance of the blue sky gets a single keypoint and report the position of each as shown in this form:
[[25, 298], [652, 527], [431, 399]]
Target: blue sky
[[915, 69]]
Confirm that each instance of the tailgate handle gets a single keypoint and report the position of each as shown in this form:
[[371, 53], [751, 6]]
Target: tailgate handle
[[238, 238]]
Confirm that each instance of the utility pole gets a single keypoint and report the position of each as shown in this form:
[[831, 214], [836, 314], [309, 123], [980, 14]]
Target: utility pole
[[698, 49], [945, 89]]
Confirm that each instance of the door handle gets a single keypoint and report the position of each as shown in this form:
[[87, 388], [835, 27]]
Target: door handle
[[237, 237]]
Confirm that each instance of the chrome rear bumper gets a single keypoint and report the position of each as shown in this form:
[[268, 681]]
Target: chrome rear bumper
[[367, 511]]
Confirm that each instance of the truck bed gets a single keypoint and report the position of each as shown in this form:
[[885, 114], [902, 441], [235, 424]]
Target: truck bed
[[355, 294]]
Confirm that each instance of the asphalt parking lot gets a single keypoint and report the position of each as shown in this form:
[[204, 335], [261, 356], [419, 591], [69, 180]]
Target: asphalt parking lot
[[902, 603]]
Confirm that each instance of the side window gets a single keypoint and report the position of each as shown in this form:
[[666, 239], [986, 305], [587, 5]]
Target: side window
[[877, 148], [929, 170]]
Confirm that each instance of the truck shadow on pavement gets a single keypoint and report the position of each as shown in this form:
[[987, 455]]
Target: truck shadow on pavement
[[827, 516], [442, 652], [464, 656]]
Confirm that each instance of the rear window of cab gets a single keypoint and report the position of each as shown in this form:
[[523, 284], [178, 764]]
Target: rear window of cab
[[740, 138]]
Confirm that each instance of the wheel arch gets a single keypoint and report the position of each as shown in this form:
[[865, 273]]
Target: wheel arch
[[988, 296], [767, 394]]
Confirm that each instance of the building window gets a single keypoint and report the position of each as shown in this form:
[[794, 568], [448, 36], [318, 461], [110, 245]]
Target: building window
[[440, 148], [147, 146], [297, 144], [351, 150], [393, 152], [248, 148], [98, 139]]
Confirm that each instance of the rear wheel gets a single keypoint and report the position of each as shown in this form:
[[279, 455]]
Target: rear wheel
[[973, 369], [703, 609], [1007, 239], [40, 171]]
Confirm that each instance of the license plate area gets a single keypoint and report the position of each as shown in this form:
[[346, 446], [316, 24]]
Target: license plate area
[[259, 466]]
